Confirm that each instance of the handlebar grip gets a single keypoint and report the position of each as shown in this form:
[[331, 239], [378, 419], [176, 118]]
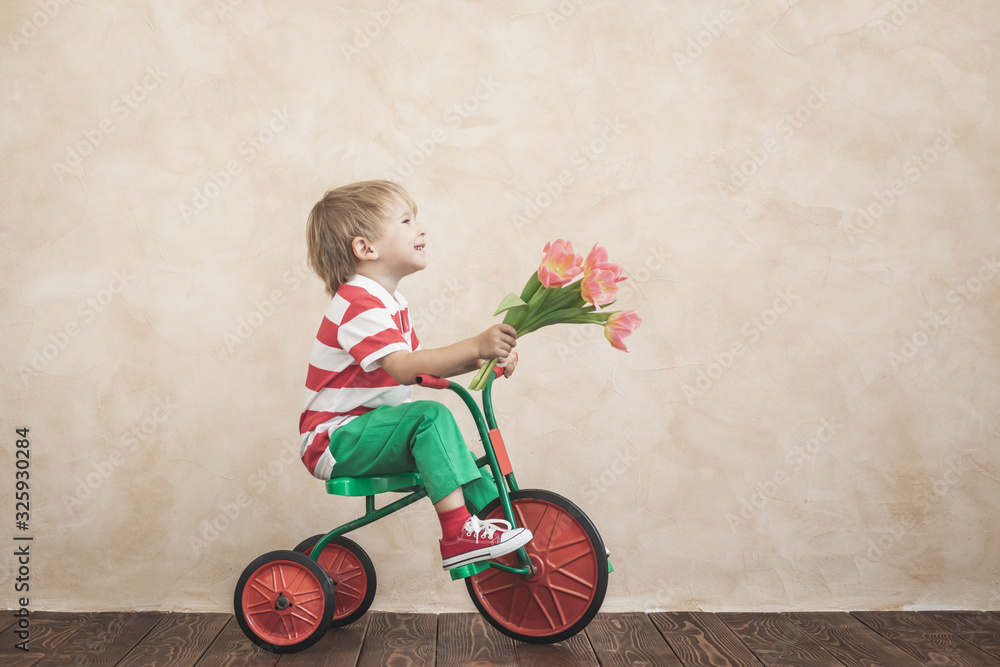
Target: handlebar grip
[[433, 382]]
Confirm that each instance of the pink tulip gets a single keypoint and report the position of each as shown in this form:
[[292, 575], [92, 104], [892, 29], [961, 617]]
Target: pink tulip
[[598, 259], [560, 264], [621, 325], [599, 287]]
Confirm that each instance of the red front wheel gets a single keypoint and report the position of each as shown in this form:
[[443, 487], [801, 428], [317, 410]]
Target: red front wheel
[[352, 573], [571, 572], [284, 602]]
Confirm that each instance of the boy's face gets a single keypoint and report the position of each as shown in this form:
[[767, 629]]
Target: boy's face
[[401, 246]]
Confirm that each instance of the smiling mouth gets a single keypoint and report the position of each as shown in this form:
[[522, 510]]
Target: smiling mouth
[[418, 247]]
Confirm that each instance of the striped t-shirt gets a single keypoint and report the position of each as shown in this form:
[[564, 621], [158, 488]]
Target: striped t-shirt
[[363, 324]]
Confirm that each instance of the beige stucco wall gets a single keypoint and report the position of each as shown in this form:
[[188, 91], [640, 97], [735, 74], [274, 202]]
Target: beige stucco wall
[[808, 417]]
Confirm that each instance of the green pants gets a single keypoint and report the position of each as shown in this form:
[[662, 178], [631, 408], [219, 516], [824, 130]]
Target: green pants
[[421, 436]]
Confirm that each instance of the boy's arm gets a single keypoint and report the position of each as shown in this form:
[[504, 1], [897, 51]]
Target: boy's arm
[[467, 368], [461, 357]]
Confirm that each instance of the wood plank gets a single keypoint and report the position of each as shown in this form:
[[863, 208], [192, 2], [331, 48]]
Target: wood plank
[[179, 639], [849, 640], [955, 638], [979, 628], [573, 652], [404, 639], [629, 639], [232, 647], [105, 639], [13, 656], [18, 658], [924, 639], [339, 646], [702, 639], [776, 641], [47, 631], [467, 639]]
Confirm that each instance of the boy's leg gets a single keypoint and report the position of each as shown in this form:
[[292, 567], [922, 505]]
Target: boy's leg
[[364, 449], [424, 435], [420, 435], [479, 492]]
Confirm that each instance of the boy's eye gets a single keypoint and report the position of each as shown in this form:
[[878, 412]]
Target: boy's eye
[[406, 221]]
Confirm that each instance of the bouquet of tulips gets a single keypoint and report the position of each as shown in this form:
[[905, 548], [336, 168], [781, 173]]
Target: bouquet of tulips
[[553, 295]]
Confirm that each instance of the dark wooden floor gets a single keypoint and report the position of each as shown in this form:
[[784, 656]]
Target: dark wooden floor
[[670, 638]]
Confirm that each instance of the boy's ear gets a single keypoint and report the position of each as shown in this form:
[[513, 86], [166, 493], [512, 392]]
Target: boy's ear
[[363, 248]]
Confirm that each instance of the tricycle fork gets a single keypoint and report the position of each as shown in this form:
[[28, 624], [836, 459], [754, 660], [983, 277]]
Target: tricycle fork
[[496, 453]]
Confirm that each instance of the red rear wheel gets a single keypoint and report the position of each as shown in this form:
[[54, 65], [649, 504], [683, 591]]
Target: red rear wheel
[[284, 602], [571, 572], [352, 573]]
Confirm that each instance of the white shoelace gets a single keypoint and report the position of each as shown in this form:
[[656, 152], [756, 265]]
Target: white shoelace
[[476, 526]]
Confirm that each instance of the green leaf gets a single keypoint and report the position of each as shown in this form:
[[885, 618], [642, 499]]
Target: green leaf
[[540, 296], [530, 287], [510, 301]]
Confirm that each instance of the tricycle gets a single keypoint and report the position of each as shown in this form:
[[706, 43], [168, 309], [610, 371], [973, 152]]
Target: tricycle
[[545, 592]]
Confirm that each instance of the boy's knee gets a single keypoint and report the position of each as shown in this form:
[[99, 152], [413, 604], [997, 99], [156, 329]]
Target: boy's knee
[[433, 411], [435, 418]]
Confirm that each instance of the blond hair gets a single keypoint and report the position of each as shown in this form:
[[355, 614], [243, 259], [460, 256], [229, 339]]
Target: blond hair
[[342, 215]]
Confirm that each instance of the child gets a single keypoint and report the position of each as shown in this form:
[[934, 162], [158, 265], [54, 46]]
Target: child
[[360, 417]]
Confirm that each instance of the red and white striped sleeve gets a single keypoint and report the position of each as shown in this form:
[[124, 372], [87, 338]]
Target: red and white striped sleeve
[[367, 330]]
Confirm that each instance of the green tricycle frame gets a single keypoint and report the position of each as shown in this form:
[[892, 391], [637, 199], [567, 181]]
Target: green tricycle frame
[[545, 592]]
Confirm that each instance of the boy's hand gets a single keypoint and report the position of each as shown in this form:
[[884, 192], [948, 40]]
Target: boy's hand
[[496, 342], [508, 364]]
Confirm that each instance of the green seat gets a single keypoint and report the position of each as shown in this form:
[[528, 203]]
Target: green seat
[[369, 486]]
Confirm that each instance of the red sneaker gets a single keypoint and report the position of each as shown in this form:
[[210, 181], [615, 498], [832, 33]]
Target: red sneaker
[[482, 540]]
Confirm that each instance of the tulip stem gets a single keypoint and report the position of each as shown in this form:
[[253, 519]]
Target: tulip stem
[[479, 382]]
